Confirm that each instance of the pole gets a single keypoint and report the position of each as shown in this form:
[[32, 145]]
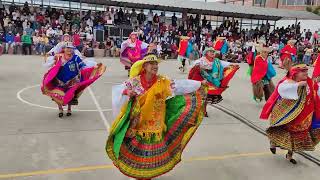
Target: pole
[[242, 2], [69, 5], [295, 26], [253, 2], [278, 3], [80, 9]]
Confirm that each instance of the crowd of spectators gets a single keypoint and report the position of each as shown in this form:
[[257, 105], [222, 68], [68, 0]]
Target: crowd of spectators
[[27, 29]]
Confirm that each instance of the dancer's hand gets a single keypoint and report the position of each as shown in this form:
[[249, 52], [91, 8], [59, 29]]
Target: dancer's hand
[[131, 93], [302, 83], [204, 82], [235, 65]]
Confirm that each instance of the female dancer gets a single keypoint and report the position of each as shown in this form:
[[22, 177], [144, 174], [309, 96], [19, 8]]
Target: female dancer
[[68, 77], [155, 119]]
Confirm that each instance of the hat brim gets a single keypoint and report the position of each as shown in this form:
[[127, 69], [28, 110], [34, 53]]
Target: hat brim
[[137, 66], [263, 49], [292, 41], [209, 49]]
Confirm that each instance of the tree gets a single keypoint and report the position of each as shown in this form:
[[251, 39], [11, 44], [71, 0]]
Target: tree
[[315, 10]]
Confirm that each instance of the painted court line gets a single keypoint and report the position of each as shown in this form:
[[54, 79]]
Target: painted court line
[[92, 168], [47, 107], [103, 117]]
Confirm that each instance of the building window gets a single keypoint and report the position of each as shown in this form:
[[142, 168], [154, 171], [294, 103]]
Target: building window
[[299, 2]]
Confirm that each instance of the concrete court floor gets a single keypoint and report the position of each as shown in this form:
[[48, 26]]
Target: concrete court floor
[[34, 141]]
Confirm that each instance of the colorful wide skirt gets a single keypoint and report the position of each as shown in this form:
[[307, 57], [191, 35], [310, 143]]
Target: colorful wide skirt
[[290, 133], [228, 74], [63, 95], [145, 159], [129, 56]]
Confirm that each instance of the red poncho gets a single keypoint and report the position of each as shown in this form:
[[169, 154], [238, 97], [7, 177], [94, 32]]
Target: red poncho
[[259, 70]]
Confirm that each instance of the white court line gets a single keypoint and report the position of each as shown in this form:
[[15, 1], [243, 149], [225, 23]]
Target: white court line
[[103, 117], [47, 107]]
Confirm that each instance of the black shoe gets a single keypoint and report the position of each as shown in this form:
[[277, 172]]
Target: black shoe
[[69, 113], [293, 161], [206, 114], [273, 150], [60, 114]]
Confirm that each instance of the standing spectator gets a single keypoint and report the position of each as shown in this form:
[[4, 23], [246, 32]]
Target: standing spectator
[[315, 37], [308, 34], [162, 19], [150, 17], [204, 21], [174, 20], [26, 43], [121, 15], [134, 18], [112, 14], [307, 55], [141, 17], [127, 17], [156, 21], [17, 44], [9, 39], [184, 19], [116, 17], [197, 20]]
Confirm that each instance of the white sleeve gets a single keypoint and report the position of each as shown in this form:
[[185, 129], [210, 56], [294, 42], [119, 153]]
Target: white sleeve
[[144, 45], [77, 52], [319, 89], [253, 49], [288, 90], [225, 64], [49, 63], [56, 49], [118, 99], [185, 86]]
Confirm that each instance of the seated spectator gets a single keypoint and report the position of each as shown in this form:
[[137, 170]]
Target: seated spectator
[[9, 39], [44, 42], [26, 43], [108, 48], [36, 42], [88, 50], [77, 41], [307, 55], [29, 30], [17, 44]]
